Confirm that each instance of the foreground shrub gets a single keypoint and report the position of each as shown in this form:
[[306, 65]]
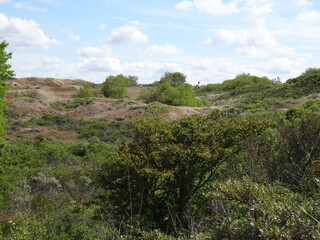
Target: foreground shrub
[[256, 211], [158, 179]]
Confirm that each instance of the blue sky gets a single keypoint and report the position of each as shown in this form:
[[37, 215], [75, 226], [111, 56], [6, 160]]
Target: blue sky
[[208, 40]]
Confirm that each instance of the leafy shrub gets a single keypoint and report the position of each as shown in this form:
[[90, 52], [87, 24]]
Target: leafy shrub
[[85, 92], [76, 103], [255, 211], [29, 94], [307, 83], [182, 95], [61, 122], [296, 113], [41, 183], [12, 113], [159, 178], [289, 153], [116, 86], [114, 132], [156, 108], [5, 74], [174, 79]]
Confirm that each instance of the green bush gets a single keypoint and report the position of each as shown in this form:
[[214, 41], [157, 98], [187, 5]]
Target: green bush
[[168, 165], [116, 86], [174, 79], [256, 211], [307, 83], [5, 74], [182, 95], [76, 103]]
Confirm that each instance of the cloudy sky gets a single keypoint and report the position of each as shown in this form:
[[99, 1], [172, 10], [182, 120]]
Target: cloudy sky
[[208, 40]]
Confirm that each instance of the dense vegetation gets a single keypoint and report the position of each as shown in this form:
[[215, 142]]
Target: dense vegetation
[[199, 177], [5, 73], [172, 89], [247, 93], [226, 175], [116, 86]]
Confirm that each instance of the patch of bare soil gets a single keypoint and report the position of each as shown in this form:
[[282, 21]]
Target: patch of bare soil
[[179, 112], [37, 132], [134, 92]]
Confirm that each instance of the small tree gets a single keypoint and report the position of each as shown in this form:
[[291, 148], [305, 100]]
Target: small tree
[[182, 95], [175, 78], [161, 175], [115, 86], [5, 74]]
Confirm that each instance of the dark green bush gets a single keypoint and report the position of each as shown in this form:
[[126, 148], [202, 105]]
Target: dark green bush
[[159, 178], [182, 95], [116, 86], [256, 211]]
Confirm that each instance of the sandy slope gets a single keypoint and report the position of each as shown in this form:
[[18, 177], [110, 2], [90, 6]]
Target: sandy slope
[[33, 97]]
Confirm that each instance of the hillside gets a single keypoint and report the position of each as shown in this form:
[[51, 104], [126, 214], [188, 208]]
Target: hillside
[[76, 165], [32, 98]]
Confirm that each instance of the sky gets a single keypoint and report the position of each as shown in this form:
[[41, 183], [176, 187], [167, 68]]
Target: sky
[[208, 40]]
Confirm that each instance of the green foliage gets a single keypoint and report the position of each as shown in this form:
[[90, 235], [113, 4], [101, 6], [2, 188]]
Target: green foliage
[[114, 132], [87, 92], [229, 175], [241, 84], [312, 105], [46, 191], [245, 83], [81, 101], [5, 74], [160, 176], [60, 122], [256, 211], [182, 95], [307, 83], [108, 132], [295, 113], [30, 94], [172, 89], [296, 149], [174, 79], [156, 108], [116, 86]]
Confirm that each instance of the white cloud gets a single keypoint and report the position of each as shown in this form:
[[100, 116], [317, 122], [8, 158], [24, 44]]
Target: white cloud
[[215, 7], [311, 48], [106, 65], [52, 2], [166, 49], [24, 33], [4, 1], [28, 6], [98, 60], [127, 35], [303, 3], [252, 52], [93, 52], [309, 16], [35, 65], [252, 43], [102, 27], [286, 65], [74, 37], [185, 6], [258, 10], [150, 71]]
